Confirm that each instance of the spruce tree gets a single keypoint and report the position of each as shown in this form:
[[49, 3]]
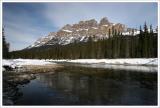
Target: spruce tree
[[145, 40], [109, 33], [5, 46]]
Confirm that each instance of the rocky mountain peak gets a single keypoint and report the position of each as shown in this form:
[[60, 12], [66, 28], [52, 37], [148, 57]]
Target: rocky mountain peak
[[81, 31], [87, 23], [120, 27], [104, 21], [51, 34], [67, 27], [91, 28]]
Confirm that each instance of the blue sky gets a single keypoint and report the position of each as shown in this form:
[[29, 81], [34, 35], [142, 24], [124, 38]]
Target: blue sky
[[26, 22]]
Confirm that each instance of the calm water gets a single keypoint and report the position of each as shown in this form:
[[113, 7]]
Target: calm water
[[74, 85]]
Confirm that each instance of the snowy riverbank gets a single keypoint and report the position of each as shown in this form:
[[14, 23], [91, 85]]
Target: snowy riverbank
[[21, 71], [132, 61], [28, 64], [21, 62], [138, 64], [133, 64]]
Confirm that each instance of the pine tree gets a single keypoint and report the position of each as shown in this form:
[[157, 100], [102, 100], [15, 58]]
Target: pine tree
[[150, 42], [145, 28], [145, 40], [5, 46], [157, 29], [140, 42], [151, 29], [109, 33]]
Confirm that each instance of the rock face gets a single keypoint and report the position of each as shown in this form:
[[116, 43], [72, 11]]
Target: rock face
[[43, 40], [81, 31], [104, 21], [90, 28]]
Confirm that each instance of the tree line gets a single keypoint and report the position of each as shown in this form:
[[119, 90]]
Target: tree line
[[5, 46], [143, 45]]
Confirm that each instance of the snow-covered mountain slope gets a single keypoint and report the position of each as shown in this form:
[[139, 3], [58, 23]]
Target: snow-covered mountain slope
[[43, 40], [81, 32]]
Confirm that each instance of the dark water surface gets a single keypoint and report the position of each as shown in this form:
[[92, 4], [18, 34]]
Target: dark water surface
[[74, 85]]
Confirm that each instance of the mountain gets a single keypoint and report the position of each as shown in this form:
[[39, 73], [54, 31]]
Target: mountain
[[81, 32]]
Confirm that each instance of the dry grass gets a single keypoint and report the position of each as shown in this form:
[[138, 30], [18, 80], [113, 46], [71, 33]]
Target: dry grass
[[41, 68]]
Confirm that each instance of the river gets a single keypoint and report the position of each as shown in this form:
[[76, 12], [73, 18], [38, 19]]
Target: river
[[84, 85]]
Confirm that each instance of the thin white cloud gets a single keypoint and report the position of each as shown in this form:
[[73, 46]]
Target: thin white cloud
[[69, 13]]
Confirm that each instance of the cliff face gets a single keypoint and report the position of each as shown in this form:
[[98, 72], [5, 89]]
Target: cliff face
[[91, 28], [81, 31]]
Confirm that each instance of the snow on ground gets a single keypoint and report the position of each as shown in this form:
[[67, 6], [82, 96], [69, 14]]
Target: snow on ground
[[136, 64], [67, 31], [13, 63], [123, 67], [139, 64], [131, 61]]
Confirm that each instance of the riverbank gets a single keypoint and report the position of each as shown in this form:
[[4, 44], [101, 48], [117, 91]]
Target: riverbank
[[13, 63], [127, 61], [47, 65], [131, 64], [20, 72], [29, 65]]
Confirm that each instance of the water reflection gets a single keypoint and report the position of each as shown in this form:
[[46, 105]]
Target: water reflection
[[88, 86], [139, 68]]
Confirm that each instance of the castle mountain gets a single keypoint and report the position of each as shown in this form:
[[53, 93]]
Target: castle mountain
[[81, 32]]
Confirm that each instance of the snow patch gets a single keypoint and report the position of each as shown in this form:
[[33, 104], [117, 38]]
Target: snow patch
[[132, 61], [94, 27], [133, 64], [13, 63], [67, 31], [82, 38], [123, 67], [105, 25]]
